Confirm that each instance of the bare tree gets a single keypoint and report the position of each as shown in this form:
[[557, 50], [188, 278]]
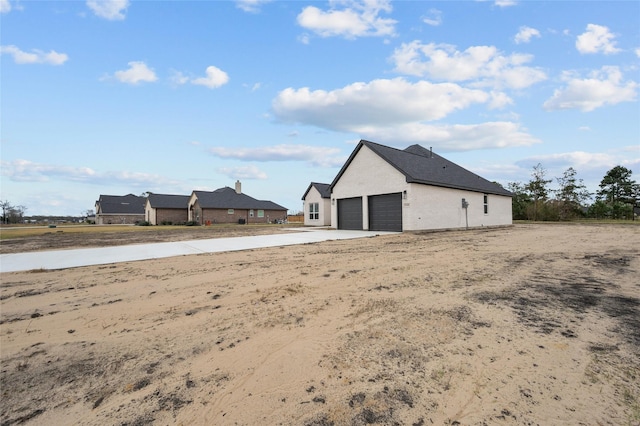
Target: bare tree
[[6, 207], [537, 188]]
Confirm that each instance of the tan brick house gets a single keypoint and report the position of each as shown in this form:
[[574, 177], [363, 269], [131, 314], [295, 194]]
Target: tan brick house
[[228, 205], [167, 209], [120, 209]]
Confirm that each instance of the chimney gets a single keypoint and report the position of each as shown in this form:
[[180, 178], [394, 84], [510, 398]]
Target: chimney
[[238, 187]]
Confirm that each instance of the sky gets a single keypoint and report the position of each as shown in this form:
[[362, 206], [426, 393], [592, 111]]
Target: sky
[[122, 96]]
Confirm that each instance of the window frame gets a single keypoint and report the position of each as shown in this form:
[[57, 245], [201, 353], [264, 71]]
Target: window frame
[[486, 203], [314, 211]]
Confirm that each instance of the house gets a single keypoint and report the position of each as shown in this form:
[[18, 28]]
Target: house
[[167, 209], [227, 205], [120, 210], [381, 188], [317, 204]]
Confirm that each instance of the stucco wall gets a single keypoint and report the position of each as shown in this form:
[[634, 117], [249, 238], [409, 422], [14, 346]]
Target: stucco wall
[[425, 206], [324, 204], [430, 207]]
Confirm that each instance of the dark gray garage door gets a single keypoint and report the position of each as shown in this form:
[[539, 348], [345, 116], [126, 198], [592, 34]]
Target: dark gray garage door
[[350, 213], [385, 212]]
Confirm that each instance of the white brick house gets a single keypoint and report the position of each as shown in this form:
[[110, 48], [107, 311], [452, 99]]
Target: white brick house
[[381, 188], [317, 205]]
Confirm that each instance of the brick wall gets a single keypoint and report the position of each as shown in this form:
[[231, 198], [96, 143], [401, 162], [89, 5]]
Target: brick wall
[[223, 216], [175, 216], [115, 219]]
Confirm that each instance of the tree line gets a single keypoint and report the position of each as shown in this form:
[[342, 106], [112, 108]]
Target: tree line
[[617, 197], [11, 213]]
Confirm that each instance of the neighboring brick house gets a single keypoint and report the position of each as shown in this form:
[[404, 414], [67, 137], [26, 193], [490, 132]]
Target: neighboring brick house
[[228, 205], [167, 209], [317, 204], [120, 209]]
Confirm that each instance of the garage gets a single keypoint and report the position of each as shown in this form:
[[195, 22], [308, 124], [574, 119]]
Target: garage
[[385, 212], [350, 213]]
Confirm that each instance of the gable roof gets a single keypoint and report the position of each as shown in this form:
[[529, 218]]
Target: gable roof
[[166, 201], [421, 165], [228, 198], [121, 204], [323, 188]]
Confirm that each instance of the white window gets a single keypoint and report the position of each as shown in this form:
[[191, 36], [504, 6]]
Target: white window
[[314, 211], [486, 204], [260, 213], [230, 211]]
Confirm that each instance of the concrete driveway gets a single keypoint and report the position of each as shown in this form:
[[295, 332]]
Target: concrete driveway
[[61, 259]]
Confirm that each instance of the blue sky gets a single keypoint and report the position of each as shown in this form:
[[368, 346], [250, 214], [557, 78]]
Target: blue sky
[[125, 96]]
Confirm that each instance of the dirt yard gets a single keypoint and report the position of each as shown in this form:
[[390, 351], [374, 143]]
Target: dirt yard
[[527, 325]]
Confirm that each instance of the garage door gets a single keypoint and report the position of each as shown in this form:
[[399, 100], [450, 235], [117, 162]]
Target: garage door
[[385, 212], [350, 213]]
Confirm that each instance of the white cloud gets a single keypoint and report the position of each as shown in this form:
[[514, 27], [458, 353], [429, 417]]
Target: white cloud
[[243, 172], [112, 10], [458, 137], [480, 65], [596, 39], [434, 18], [603, 87], [584, 128], [251, 6], [384, 102], [637, 52], [354, 19], [214, 79], [317, 156], [396, 112], [577, 159], [137, 72], [28, 171], [525, 34], [505, 3], [35, 57], [5, 6], [178, 78]]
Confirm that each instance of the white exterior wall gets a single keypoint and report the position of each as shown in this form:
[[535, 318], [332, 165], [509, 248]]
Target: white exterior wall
[[426, 206], [192, 200], [150, 214], [368, 174], [324, 204], [432, 207]]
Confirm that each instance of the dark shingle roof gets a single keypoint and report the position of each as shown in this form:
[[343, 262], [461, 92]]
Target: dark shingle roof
[[323, 188], [121, 204], [165, 201], [228, 198], [420, 165]]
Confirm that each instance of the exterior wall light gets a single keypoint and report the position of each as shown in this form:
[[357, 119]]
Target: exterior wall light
[[333, 201], [404, 194]]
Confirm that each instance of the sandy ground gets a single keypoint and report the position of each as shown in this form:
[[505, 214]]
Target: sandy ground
[[528, 325]]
